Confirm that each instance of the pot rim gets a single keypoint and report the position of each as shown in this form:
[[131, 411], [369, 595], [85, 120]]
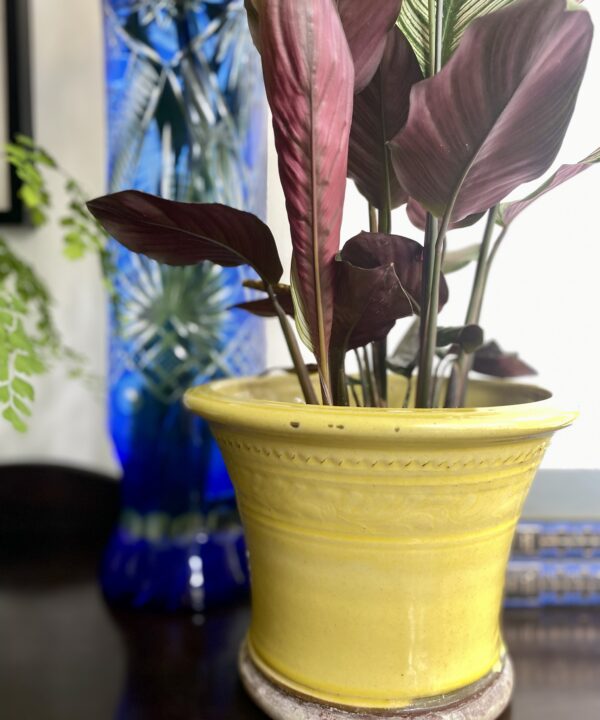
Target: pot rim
[[223, 402]]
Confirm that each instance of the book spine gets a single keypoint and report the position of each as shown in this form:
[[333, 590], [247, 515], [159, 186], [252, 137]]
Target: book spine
[[556, 540], [540, 583]]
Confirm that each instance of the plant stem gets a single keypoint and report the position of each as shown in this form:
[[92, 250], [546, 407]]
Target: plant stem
[[474, 309], [373, 224], [372, 218], [436, 35], [379, 348], [340, 386], [432, 37], [363, 379], [434, 243], [371, 386], [380, 370], [432, 266], [457, 384], [491, 258], [353, 391], [339, 389], [308, 390], [439, 34]]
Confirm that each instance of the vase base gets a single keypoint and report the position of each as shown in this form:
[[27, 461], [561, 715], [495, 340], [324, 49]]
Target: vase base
[[484, 700]]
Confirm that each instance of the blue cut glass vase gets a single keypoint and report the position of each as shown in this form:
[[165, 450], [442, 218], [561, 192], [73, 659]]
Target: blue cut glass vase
[[187, 121]]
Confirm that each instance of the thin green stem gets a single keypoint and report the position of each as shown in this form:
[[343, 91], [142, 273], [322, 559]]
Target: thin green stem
[[308, 390], [379, 348], [474, 309], [434, 242], [439, 34], [432, 37], [491, 258], [363, 379], [372, 218], [429, 310], [371, 385], [354, 393], [457, 383]]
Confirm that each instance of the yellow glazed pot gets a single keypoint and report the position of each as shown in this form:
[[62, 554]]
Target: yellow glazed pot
[[378, 541]]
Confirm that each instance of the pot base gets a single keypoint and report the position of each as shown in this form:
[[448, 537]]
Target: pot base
[[483, 700]]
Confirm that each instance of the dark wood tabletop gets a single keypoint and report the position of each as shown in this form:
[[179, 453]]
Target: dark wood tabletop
[[65, 655]]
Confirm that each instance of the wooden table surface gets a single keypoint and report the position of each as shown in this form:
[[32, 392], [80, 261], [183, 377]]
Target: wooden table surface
[[64, 655]]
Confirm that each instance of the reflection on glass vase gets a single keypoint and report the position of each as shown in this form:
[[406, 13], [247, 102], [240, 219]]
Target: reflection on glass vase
[[186, 121]]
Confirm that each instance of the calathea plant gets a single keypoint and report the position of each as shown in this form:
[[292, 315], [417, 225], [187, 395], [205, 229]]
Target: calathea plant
[[444, 106]]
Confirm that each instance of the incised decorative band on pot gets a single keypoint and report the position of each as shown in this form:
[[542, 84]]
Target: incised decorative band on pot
[[378, 538]]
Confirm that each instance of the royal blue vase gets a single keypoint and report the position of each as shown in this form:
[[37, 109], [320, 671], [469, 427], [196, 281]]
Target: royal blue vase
[[187, 120]]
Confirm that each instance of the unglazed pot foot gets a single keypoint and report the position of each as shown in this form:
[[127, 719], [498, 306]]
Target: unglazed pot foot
[[483, 700]]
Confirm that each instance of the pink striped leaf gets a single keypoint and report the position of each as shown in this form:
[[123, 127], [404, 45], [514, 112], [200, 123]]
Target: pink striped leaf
[[366, 29], [496, 114], [309, 79]]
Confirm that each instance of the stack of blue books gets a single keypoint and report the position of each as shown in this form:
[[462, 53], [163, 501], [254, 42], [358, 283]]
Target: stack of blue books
[[556, 552]]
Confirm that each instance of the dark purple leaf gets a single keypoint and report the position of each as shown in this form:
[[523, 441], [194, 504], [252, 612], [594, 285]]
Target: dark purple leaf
[[496, 114], [309, 78], [179, 233], [455, 260], [371, 250], [491, 360], [380, 112], [368, 303], [264, 306], [507, 212], [366, 30], [417, 214]]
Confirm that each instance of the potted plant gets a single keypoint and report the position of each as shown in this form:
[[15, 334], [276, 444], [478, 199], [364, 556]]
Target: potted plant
[[379, 506]]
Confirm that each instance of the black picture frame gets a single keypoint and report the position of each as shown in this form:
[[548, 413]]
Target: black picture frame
[[17, 100]]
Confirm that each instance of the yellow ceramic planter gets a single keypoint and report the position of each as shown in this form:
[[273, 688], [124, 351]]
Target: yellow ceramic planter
[[378, 542]]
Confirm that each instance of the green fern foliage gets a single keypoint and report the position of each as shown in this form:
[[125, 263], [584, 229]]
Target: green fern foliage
[[27, 336], [29, 341], [28, 159]]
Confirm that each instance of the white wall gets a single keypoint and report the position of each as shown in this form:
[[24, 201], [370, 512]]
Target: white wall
[[67, 87], [542, 299]]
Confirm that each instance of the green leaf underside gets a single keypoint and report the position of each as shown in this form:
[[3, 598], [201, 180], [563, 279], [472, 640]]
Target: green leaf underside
[[458, 14], [468, 337], [455, 260]]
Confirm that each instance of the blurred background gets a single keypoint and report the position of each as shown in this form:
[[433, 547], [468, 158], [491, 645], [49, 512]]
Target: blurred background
[[92, 452], [542, 300]]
